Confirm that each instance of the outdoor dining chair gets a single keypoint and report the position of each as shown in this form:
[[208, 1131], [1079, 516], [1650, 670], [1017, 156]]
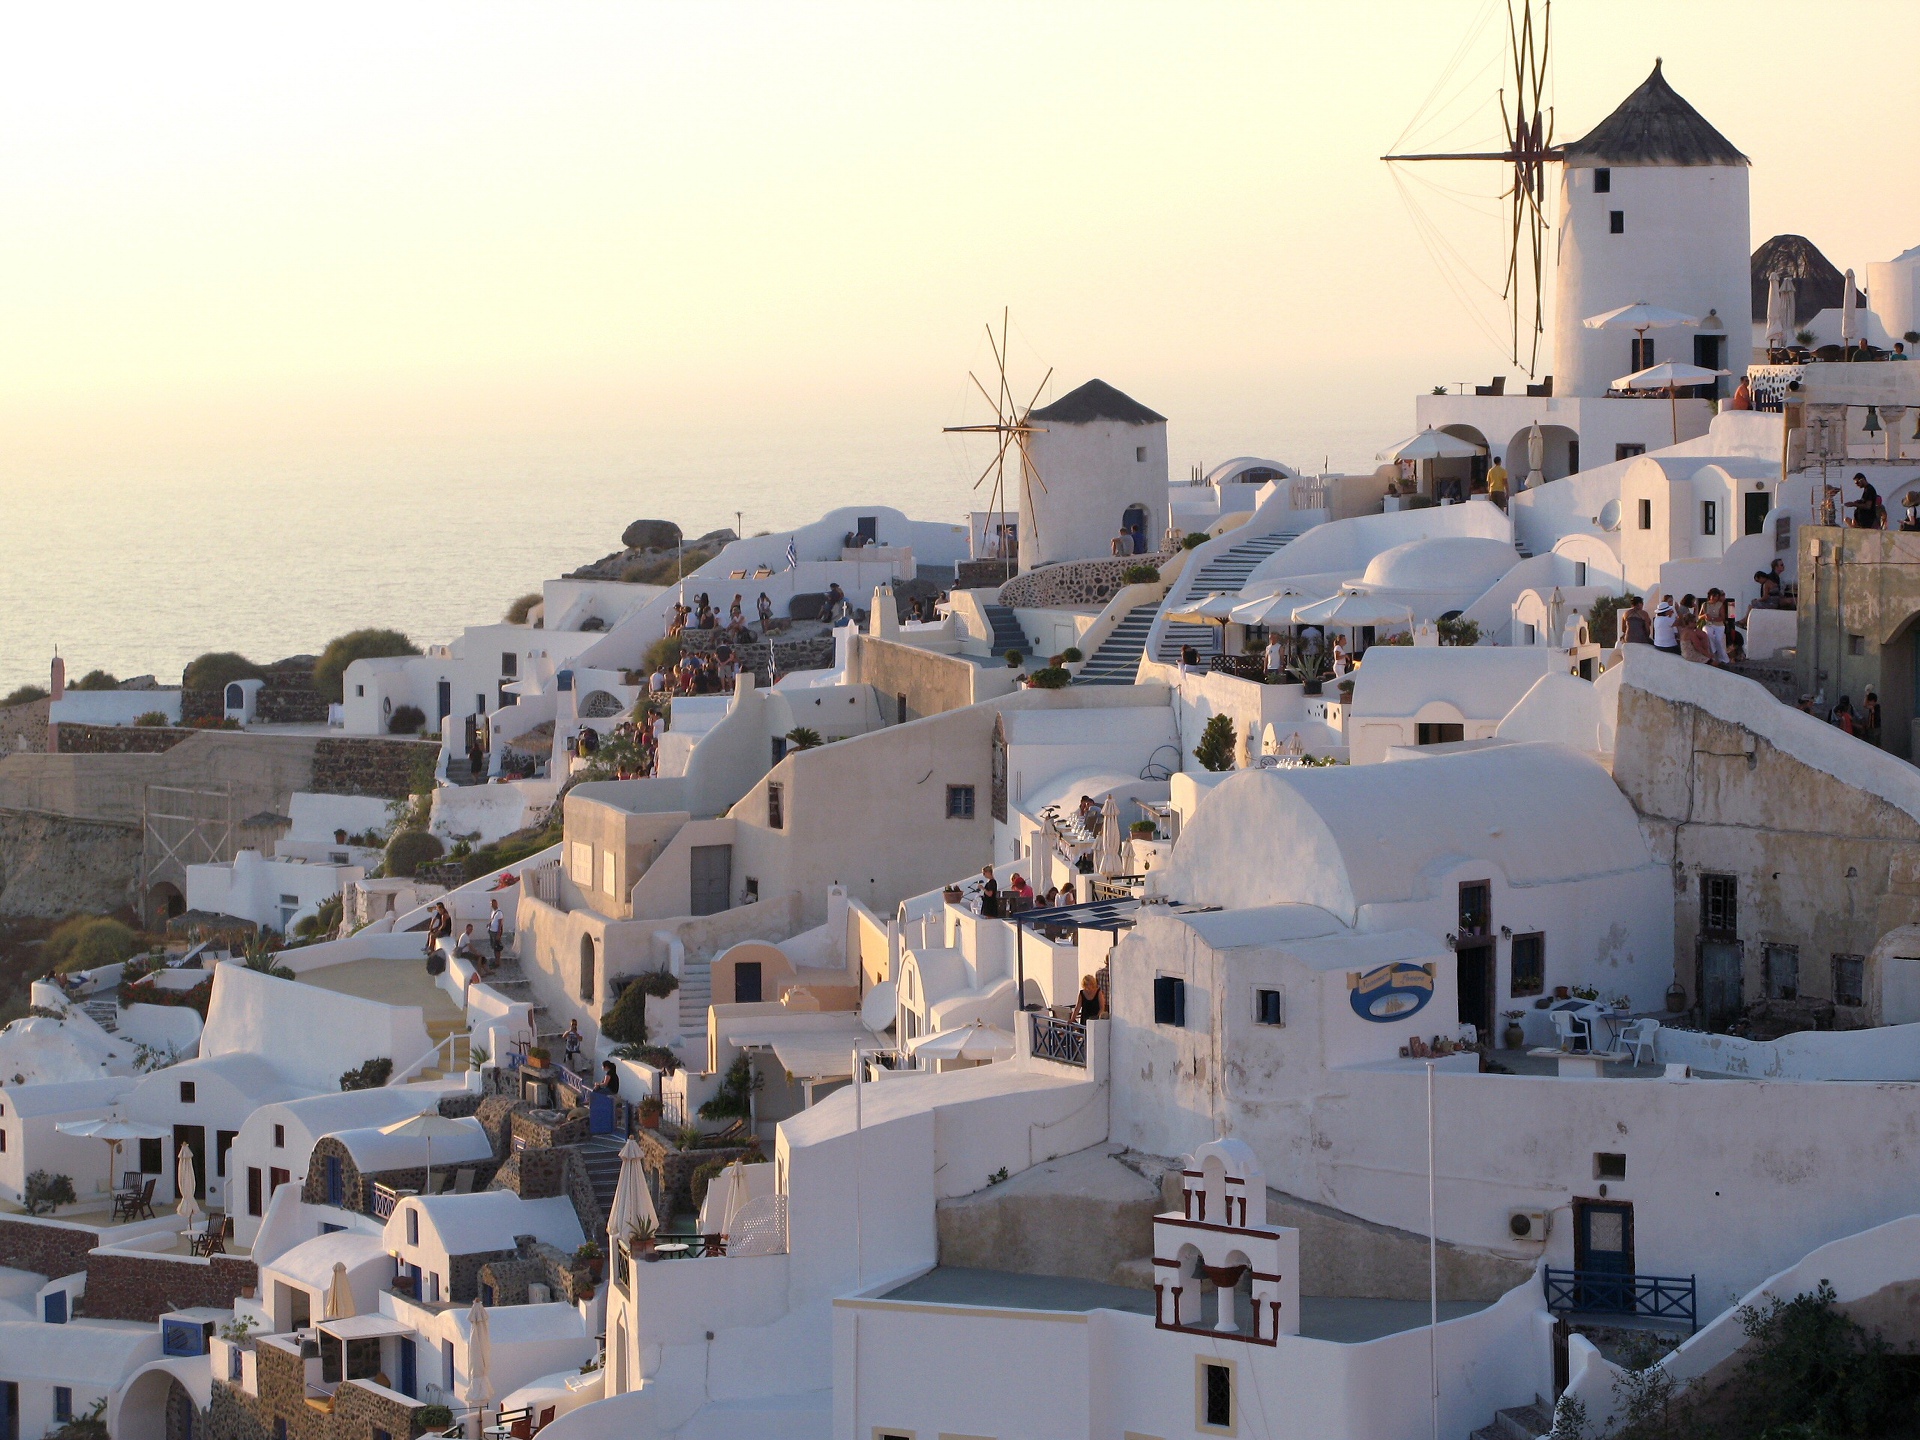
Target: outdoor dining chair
[[136, 1204], [1638, 1036], [1570, 1027]]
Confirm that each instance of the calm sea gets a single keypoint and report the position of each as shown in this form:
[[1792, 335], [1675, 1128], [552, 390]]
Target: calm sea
[[135, 567]]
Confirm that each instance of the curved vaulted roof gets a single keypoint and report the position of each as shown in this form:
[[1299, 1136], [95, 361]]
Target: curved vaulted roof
[[1654, 126]]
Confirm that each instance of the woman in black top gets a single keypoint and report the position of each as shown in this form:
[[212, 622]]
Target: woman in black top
[[609, 1078], [1087, 1003], [989, 893]]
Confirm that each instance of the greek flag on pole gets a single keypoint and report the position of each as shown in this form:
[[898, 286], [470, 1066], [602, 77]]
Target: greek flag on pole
[[793, 554]]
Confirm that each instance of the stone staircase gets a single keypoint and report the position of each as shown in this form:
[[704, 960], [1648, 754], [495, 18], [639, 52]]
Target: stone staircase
[[1007, 634], [602, 1154], [1117, 661], [696, 994], [105, 1014], [1521, 1422]]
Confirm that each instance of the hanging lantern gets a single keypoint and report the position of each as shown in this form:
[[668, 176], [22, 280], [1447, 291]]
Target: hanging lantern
[[1873, 425]]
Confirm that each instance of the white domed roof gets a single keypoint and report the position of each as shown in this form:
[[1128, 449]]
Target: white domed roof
[[1444, 563]]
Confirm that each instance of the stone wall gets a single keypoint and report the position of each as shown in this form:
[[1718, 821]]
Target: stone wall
[[1073, 584], [932, 683], [669, 1169], [53, 865], [71, 739], [134, 1286], [357, 766], [788, 653], [24, 727], [537, 1263], [360, 1407], [45, 1247]]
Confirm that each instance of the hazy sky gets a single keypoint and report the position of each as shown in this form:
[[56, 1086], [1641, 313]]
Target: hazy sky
[[351, 228]]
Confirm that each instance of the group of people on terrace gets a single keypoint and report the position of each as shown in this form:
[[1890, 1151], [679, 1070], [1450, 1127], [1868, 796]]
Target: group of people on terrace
[[1705, 631], [1867, 511], [997, 903], [702, 615]]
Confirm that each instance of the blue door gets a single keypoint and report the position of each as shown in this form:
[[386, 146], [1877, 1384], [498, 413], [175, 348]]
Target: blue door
[[336, 1191], [56, 1308], [1603, 1256], [599, 1112], [409, 1373]]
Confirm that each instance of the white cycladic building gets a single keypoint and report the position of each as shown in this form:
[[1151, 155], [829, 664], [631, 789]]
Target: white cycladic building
[[1653, 208], [1099, 463]]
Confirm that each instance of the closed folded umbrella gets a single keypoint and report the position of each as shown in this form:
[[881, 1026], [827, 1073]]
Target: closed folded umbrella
[[1777, 321], [479, 1356], [339, 1293], [978, 1041], [188, 1180], [1849, 302], [632, 1200], [1106, 860]]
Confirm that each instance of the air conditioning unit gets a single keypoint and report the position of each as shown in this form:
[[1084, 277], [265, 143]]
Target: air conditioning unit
[[1527, 1224]]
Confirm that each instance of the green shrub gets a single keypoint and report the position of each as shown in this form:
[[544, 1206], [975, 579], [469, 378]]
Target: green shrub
[[433, 1417], [803, 737], [410, 849], [85, 942], [1215, 750], [152, 719], [1603, 620], [343, 650], [1455, 631], [734, 1099], [322, 923], [511, 849], [218, 669], [658, 1056], [1053, 677], [1013, 659], [663, 654], [406, 720], [46, 1193], [1141, 575], [518, 611], [369, 1076], [1072, 655], [626, 1022], [95, 680], [1194, 539], [25, 695], [702, 1177]]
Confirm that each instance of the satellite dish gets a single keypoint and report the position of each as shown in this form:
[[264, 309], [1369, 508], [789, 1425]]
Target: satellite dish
[[877, 1006], [1609, 517]]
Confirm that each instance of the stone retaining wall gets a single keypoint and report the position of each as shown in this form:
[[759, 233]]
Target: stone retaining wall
[[72, 739], [1073, 584], [669, 1169], [787, 653], [133, 1286], [360, 766], [53, 865], [24, 727], [45, 1249]]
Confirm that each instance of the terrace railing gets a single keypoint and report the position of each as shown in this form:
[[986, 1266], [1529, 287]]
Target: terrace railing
[[1646, 1297], [1063, 1041]]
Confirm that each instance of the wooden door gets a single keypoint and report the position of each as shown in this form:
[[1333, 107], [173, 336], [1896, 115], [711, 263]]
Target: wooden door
[[1603, 1255], [1719, 987], [1475, 967], [712, 867]]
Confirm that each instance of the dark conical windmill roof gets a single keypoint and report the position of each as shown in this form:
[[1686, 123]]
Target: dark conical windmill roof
[[1817, 285], [1654, 126], [1097, 400]]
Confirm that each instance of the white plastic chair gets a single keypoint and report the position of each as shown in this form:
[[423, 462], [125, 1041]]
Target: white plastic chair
[[1569, 1027], [1639, 1037]]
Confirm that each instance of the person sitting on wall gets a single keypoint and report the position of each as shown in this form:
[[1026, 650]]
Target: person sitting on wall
[[1910, 511], [469, 946], [1742, 395], [1866, 507]]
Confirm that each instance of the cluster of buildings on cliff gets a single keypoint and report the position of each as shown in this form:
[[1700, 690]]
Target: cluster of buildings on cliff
[[1079, 1012]]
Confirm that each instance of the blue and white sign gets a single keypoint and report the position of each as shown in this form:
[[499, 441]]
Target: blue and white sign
[[1393, 992]]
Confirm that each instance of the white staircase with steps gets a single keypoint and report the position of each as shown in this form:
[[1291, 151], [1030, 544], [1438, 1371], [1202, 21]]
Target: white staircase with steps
[[1117, 661], [1519, 1422], [696, 995]]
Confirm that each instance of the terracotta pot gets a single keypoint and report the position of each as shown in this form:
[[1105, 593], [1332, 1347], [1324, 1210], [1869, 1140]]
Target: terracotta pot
[[649, 1122], [1516, 1037], [1561, 992]]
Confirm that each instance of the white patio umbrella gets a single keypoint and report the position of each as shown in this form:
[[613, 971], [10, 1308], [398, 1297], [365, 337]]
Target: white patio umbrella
[[479, 1356], [115, 1131], [1215, 607], [1667, 376], [1431, 445], [188, 1180], [632, 1201], [1277, 606], [1640, 316], [339, 1293], [429, 1125], [1106, 858], [978, 1041], [1536, 455], [1350, 608], [1849, 307]]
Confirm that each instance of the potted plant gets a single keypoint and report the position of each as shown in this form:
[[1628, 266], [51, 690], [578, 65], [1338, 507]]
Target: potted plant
[[640, 1239], [1560, 992], [1515, 1036], [650, 1112], [951, 894], [537, 1057], [1141, 829], [589, 1255]]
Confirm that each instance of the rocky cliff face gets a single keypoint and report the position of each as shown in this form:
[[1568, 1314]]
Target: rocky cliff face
[[52, 866]]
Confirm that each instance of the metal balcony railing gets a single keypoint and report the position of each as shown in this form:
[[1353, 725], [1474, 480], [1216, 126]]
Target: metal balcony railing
[[1064, 1041], [1600, 1292]]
